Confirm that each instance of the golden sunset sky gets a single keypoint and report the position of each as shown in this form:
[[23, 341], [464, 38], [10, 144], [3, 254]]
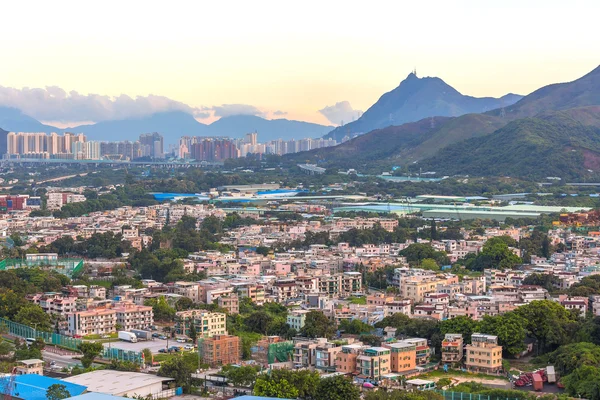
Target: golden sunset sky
[[292, 56]]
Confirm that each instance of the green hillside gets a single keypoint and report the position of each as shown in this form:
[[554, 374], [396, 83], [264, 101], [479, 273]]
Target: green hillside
[[376, 147], [564, 143], [581, 92]]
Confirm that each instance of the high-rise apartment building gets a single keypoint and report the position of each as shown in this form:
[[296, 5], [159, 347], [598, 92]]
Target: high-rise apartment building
[[152, 145]]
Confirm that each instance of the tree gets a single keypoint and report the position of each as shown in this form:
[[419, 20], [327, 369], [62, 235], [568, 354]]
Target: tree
[[404, 395], [57, 391], [354, 327], [337, 388], [494, 254], [433, 233], [288, 384], [33, 315], [583, 382], [148, 357], [179, 370], [430, 264], [569, 357], [241, 376], [183, 304], [460, 324], [316, 324], [90, 352], [193, 333], [548, 322], [269, 388], [259, 322], [510, 329]]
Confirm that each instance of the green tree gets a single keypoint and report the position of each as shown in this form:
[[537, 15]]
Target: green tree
[[460, 324], [259, 322], [316, 324], [430, 264], [403, 395], [494, 254], [269, 388], [183, 304], [57, 391], [90, 352], [433, 232], [337, 388], [179, 370], [549, 323], [583, 382], [241, 376], [193, 333], [33, 315], [147, 355], [510, 329]]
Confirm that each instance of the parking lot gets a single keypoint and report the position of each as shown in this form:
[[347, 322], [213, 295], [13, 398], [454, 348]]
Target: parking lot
[[153, 345]]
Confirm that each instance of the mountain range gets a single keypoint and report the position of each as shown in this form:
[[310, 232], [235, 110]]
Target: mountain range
[[552, 131], [417, 98], [171, 125]]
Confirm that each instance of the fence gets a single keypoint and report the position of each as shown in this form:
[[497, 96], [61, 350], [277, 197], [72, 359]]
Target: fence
[[449, 395], [25, 331], [110, 353], [67, 266]]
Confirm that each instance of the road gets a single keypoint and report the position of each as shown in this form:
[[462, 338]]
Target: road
[[61, 178], [61, 361]]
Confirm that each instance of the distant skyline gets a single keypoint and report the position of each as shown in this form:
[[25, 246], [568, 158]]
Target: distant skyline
[[279, 59]]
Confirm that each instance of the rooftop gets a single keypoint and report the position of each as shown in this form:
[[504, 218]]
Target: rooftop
[[34, 387], [115, 382]]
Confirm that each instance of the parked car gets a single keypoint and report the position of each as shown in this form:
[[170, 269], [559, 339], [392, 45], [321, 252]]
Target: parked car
[[163, 337], [174, 348], [180, 340], [163, 351], [155, 334], [189, 347]]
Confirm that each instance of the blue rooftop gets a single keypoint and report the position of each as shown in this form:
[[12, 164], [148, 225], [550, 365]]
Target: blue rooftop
[[34, 387]]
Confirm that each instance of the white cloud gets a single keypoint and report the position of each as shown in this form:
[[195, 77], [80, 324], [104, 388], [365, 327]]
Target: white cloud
[[227, 110], [341, 111], [55, 104]]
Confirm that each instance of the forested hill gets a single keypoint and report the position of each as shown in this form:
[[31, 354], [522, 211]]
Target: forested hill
[[562, 143]]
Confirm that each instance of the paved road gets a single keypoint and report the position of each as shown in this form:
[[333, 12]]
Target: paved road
[[61, 361]]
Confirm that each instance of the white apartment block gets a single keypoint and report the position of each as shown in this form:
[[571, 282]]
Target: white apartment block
[[131, 316], [92, 322]]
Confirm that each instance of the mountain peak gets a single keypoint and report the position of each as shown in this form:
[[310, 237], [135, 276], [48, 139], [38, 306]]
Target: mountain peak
[[415, 99]]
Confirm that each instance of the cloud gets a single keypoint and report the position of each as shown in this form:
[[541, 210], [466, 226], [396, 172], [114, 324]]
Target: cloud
[[227, 110], [341, 111], [55, 104], [279, 113]]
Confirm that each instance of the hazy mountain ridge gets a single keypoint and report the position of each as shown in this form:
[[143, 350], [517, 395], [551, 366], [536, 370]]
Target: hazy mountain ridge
[[171, 125], [418, 98]]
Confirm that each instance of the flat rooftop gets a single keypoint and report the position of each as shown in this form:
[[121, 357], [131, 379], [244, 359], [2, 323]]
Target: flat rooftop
[[115, 382]]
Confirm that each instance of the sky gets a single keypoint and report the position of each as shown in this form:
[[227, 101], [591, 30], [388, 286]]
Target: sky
[[68, 61]]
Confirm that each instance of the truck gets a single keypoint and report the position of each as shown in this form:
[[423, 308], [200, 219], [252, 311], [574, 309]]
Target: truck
[[127, 336], [551, 373], [538, 382], [141, 334]]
